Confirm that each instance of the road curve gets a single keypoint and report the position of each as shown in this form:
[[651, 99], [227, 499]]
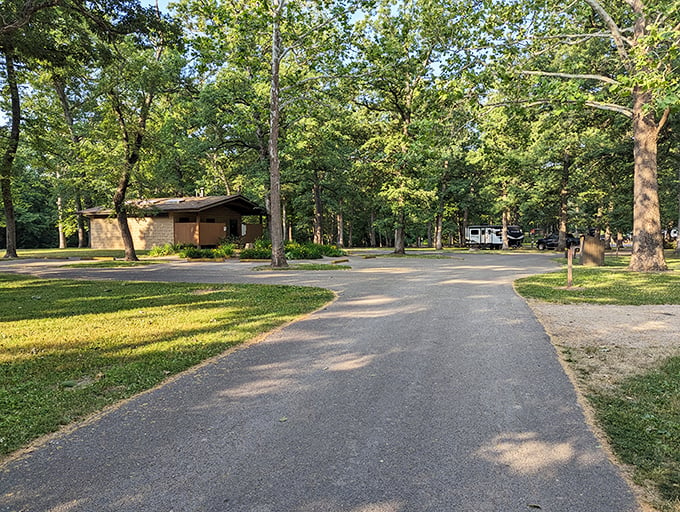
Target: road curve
[[427, 385]]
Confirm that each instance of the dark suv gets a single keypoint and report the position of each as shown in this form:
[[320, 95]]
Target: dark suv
[[550, 241]]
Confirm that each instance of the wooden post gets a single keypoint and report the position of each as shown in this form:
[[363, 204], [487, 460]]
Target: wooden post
[[570, 265]]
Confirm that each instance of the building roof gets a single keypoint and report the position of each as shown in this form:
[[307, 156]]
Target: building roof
[[237, 202]]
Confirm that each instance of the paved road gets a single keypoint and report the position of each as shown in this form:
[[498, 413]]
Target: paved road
[[427, 386]]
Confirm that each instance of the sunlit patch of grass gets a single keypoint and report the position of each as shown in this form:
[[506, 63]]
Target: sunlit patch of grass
[[611, 284], [68, 348]]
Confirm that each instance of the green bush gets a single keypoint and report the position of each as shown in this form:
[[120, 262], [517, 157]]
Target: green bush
[[262, 243], [262, 250], [169, 249], [193, 252], [256, 254], [296, 251], [331, 251], [225, 250]]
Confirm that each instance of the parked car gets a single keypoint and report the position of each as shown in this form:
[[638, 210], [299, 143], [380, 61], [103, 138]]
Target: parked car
[[550, 241]]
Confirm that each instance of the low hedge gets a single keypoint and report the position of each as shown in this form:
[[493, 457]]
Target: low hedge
[[293, 250]]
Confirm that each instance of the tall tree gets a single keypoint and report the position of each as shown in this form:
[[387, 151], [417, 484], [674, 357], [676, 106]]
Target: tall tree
[[297, 40], [615, 56], [37, 34]]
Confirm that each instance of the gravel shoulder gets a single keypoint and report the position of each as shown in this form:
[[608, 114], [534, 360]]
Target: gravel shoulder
[[607, 344]]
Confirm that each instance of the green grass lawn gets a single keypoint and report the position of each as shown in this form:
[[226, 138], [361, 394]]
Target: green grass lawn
[[611, 284], [68, 348], [642, 419], [112, 264], [305, 266], [641, 416], [74, 253]]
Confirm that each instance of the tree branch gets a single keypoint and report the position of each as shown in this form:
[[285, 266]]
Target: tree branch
[[612, 107], [614, 30], [663, 119], [600, 78], [29, 9]]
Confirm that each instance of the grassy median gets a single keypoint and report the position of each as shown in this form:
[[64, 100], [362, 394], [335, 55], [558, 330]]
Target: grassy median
[[68, 348]]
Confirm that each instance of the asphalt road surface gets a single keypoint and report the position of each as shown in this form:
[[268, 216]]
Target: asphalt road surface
[[428, 385]]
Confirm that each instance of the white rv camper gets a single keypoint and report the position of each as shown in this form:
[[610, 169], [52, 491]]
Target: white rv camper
[[491, 237]]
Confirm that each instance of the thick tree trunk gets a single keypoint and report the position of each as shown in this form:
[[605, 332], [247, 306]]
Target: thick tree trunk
[[438, 232], [341, 229], [372, 230], [9, 155], [275, 225], [399, 241], [318, 214], [647, 253]]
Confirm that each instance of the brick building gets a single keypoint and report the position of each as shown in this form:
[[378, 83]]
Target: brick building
[[202, 221]]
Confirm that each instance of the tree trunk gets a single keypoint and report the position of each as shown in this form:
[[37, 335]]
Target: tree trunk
[[564, 203], [438, 229], [318, 214], [647, 255], [462, 227], [504, 229], [60, 89], [121, 216], [60, 222], [399, 242], [275, 225], [82, 239], [341, 229], [9, 155], [372, 230]]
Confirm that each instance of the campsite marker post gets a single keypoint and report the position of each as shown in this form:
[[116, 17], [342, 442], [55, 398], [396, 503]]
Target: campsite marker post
[[570, 264]]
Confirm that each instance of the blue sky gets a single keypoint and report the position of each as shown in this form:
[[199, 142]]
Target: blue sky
[[163, 4]]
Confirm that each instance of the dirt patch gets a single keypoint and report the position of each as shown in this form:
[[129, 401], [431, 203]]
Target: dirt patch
[[606, 344]]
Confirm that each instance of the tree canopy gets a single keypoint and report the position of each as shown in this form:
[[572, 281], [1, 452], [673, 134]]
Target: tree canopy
[[354, 122]]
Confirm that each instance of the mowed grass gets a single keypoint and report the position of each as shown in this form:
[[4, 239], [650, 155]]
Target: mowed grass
[[68, 348], [641, 416], [75, 253], [610, 284], [642, 420]]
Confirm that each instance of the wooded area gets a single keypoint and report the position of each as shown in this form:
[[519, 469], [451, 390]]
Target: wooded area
[[359, 123]]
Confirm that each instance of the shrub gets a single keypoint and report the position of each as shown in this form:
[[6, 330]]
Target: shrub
[[331, 251], [193, 252], [256, 254], [296, 251], [162, 250], [225, 250], [262, 243], [169, 249]]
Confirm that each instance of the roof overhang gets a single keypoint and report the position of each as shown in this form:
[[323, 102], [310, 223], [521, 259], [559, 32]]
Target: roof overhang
[[151, 207]]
